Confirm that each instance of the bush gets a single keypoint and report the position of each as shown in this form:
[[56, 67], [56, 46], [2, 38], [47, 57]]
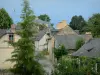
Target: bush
[[75, 66], [79, 43], [60, 51]]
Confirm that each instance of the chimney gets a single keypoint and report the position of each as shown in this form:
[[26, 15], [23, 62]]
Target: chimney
[[61, 25], [88, 36], [88, 33], [13, 26]]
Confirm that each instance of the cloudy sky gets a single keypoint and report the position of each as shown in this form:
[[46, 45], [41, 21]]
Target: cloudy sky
[[58, 10]]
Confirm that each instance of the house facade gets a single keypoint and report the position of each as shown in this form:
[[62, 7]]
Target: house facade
[[5, 47], [41, 40]]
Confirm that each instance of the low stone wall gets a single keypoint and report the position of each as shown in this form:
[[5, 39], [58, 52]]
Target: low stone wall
[[5, 72]]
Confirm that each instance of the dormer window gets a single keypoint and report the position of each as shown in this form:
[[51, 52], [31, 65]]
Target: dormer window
[[11, 37], [90, 49], [48, 33]]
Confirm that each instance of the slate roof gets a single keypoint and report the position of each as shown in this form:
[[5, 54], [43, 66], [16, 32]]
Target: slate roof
[[77, 31], [2, 32], [5, 31], [36, 21], [41, 22], [41, 34], [69, 41], [67, 30], [89, 49]]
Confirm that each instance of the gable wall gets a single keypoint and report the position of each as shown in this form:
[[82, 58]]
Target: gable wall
[[40, 45], [5, 51]]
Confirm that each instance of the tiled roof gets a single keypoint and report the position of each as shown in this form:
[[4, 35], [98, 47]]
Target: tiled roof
[[77, 31], [69, 41], [2, 32], [41, 34], [66, 31], [41, 22], [89, 49]]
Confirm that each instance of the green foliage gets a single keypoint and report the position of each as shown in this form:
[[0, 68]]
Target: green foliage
[[75, 66], [5, 19], [42, 27], [78, 23], [24, 53], [60, 51], [79, 43], [94, 25], [65, 67], [44, 17]]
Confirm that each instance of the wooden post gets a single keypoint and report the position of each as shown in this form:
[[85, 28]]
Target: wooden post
[[96, 65]]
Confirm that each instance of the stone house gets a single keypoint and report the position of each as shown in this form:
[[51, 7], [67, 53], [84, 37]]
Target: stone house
[[5, 47], [67, 36]]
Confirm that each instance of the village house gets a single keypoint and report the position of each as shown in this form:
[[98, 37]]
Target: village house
[[7, 35], [5, 48], [67, 36], [63, 34], [41, 40]]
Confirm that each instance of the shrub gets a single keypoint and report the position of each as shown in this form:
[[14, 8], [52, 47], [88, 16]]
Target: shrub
[[60, 51], [79, 43]]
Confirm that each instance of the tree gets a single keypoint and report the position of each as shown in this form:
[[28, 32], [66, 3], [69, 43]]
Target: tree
[[78, 23], [60, 51], [5, 19], [94, 24], [79, 43], [44, 17], [24, 53]]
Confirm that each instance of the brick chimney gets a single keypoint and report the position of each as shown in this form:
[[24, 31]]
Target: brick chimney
[[61, 25], [13, 26]]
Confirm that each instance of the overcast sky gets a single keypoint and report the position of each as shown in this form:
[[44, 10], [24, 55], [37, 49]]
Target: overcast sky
[[58, 10]]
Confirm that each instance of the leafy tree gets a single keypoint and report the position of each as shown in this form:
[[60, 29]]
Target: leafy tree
[[24, 53], [79, 43], [5, 19], [60, 51], [94, 24], [44, 17], [78, 23]]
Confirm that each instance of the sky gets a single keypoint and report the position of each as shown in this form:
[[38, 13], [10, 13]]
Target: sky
[[58, 10]]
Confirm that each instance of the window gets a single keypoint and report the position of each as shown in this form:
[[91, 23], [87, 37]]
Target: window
[[11, 37]]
